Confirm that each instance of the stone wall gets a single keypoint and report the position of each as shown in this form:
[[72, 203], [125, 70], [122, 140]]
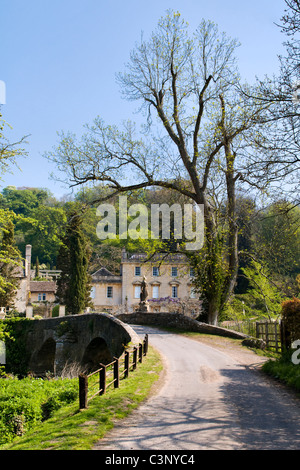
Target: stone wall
[[52, 343], [178, 321]]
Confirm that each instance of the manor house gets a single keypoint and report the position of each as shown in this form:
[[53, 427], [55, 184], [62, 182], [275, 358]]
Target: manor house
[[169, 281]]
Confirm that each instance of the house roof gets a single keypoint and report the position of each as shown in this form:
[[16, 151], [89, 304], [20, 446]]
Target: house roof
[[43, 286], [102, 272], [156, 257], [104, 275]]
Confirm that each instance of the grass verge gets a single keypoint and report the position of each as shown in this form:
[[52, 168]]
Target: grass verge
[[284, 371], [72, 429]]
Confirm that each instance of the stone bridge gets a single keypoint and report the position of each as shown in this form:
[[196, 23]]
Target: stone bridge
[[86, 340]]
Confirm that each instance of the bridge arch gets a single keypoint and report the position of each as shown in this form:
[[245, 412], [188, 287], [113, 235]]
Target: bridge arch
[[86, 339], [96, 352], [45, 357]]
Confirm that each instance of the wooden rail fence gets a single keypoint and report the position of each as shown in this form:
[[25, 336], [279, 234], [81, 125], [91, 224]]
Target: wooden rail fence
[[270, 332], [110, 374]]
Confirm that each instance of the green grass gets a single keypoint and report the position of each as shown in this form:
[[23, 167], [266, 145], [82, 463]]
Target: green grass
[[72, 429], [284, 371]]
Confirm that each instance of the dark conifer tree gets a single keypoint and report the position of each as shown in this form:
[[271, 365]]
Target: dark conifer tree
[[74, 287]]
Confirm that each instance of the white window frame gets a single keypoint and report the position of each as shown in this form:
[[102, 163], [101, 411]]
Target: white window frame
[[137, 291], [137, 268], [174, 271], [155, 271], [109, 292], [193, 293], [93, 292], [174, 290], [155, 292]]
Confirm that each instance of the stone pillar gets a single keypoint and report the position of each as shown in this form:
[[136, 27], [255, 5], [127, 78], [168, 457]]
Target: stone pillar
[[29, 311], [62, 311], [28, 260]]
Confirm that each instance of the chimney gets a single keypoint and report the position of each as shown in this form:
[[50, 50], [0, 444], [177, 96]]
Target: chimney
[[124, 253], [28, 260]]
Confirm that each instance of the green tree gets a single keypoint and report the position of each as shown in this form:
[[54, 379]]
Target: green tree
[[9, 256], [10, 263], [73, 259], [43, 231], [263, 289], [23, 201], [278, 238]]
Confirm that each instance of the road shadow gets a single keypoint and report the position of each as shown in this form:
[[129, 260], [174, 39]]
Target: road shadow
[[268, 416]]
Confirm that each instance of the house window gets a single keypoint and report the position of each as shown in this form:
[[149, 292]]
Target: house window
[[155, 271], [93, 292], [174, 292], [41, 297], [155, 292], [174, 271], [193, 294], [109, 292], [137, 292], [137, 271]]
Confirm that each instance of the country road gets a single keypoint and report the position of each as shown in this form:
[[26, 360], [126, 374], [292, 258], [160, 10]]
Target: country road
[[209, 399]]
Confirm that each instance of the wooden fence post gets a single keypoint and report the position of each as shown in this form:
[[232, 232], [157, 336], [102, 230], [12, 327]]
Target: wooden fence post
[[126, 364], [276, 337], [134, 357], [116, 373], [146, 345], [267, 334], [83, 391], [257, 329], [102, 379], [140, 352]]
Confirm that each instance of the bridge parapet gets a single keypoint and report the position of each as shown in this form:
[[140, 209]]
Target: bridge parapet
[[86, 340]]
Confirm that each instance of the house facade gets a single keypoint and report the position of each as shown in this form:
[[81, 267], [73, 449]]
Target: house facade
[[169, 282], [30, 291]]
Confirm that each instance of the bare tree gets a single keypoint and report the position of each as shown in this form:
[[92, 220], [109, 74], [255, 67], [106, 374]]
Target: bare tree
[[274, 157], [199, 122]]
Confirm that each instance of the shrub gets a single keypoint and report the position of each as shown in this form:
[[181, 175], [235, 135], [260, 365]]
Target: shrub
[[291, 321], [26, 402]]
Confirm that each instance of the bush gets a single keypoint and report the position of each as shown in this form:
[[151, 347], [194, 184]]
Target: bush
[[291, 321], [284, 370], [26, 402]]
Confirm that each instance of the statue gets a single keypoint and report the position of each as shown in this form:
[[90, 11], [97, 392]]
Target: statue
[[144, 306], [144, 290]]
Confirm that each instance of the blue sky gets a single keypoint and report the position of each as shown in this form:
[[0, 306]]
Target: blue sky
[[59, 59]]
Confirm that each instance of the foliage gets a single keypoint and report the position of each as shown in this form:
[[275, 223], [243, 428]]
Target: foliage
[[291, 319], [70, 430], [23, 201], [12, 332], [73, 286], [43, 232], [10, 261], [284, 370], [263, 289], [210, 269], [27, 402], [278, 238]]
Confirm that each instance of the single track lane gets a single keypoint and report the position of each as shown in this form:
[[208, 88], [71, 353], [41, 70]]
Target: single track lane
[[209, 401]]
